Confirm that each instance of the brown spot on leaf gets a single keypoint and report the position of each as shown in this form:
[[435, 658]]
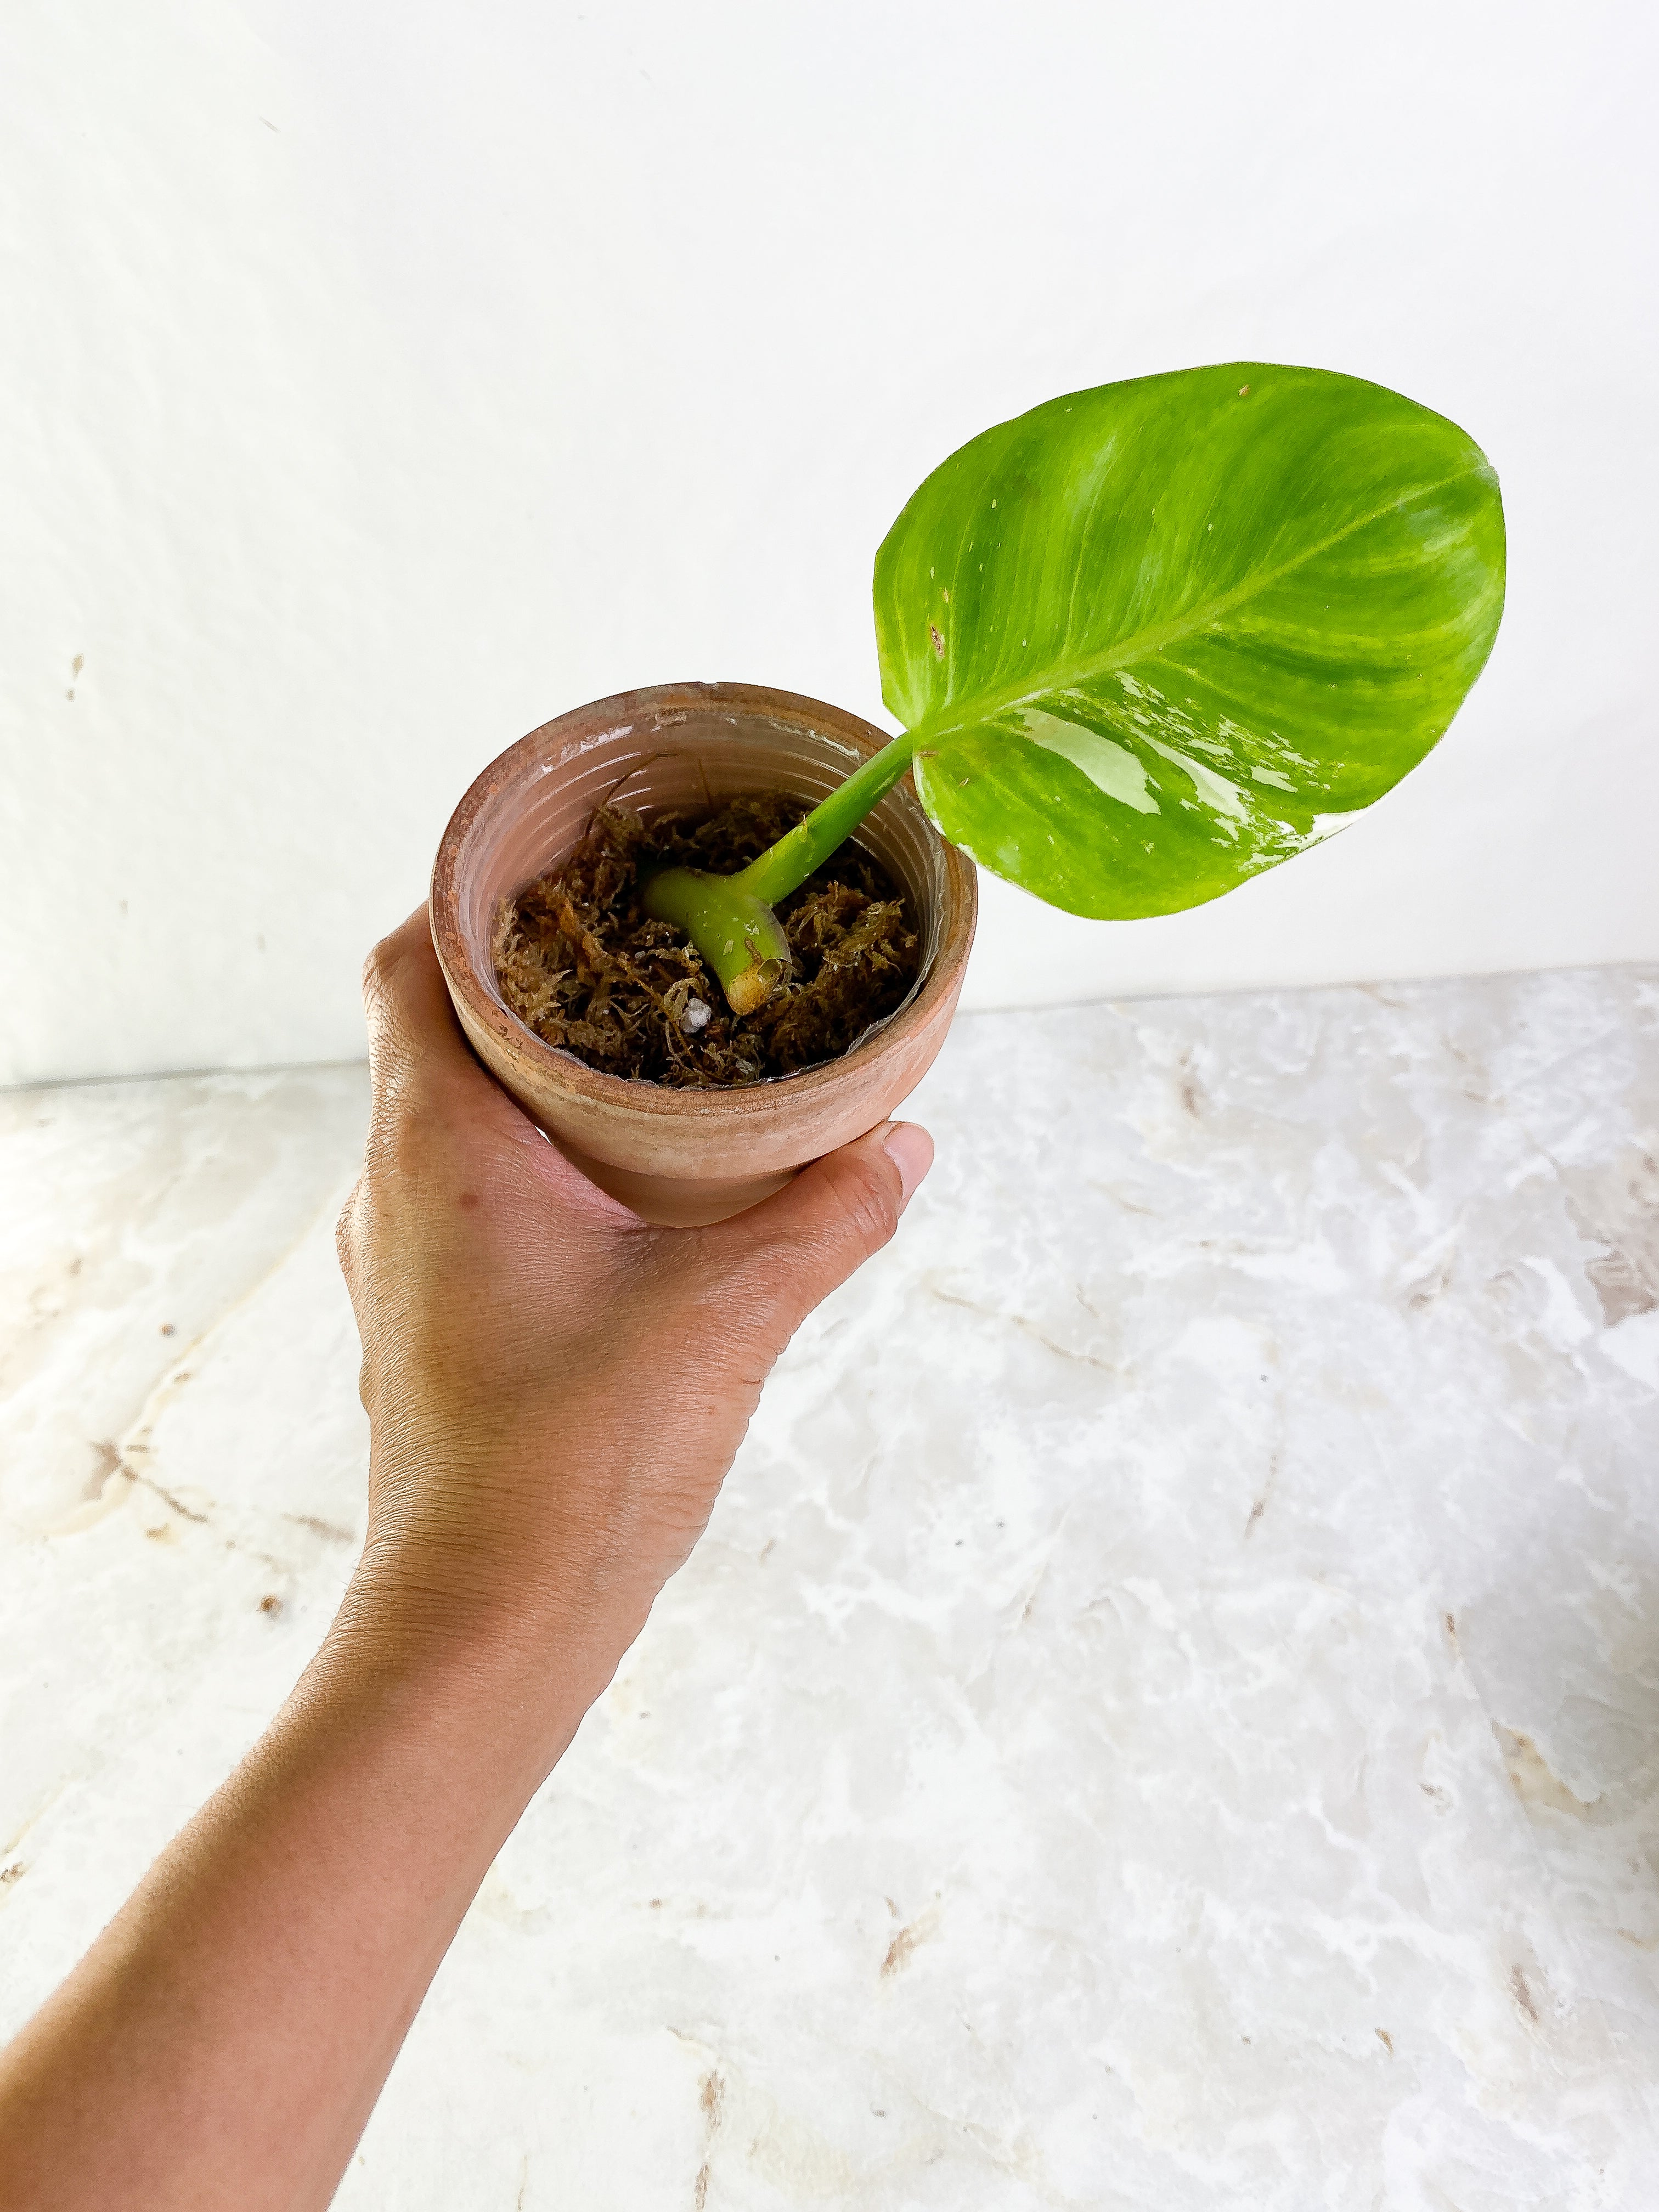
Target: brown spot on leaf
[[938, 641], [1522, 1994], [1385, 2040], [270, 1604]]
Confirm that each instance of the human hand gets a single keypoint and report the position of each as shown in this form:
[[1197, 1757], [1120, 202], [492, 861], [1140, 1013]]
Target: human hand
[[555, 1388], [555, 1391]]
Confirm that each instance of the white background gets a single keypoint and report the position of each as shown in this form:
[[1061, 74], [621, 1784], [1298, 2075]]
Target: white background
[[380, 380]]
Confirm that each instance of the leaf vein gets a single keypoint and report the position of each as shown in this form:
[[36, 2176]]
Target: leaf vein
[[1144, 643]]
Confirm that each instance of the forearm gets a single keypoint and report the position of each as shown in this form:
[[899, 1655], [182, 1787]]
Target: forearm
[[225, 2039], [555, 1391]]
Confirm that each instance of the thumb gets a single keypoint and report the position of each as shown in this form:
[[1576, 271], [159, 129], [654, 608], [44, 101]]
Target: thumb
[[803, 1242]]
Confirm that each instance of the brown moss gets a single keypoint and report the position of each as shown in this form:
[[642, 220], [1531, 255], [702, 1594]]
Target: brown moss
[[579, 961]]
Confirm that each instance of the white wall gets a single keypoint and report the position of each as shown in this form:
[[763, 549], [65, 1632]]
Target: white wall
[[380, 379]]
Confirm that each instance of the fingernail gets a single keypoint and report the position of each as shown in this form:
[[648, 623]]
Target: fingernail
[[910, 1149]]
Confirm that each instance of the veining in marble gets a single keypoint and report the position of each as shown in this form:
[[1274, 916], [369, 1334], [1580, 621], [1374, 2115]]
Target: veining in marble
[[1166, 1713]]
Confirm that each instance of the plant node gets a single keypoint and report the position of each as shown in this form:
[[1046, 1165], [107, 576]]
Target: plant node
[[737, 933]]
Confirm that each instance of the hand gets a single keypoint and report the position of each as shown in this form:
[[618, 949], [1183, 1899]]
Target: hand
[[555, 1389]]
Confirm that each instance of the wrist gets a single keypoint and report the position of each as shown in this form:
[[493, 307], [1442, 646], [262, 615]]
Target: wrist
[[520, 1676]]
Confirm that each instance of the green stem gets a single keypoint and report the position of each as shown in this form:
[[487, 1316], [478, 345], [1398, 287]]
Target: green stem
[[737, 934], [787, 865], [730, 919]]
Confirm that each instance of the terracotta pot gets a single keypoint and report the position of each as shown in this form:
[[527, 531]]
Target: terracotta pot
[[684, 1157]]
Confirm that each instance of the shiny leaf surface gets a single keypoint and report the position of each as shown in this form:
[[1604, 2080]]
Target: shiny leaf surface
[[1158, 636]]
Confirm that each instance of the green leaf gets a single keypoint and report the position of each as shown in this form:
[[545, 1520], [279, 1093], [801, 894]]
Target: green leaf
[[1157, 637]]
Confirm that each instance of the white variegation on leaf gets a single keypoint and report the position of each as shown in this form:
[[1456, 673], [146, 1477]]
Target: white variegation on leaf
[[1151, 639]]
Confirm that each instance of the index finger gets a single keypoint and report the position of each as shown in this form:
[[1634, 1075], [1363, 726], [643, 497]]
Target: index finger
[[424, 1072], [416, 1047]]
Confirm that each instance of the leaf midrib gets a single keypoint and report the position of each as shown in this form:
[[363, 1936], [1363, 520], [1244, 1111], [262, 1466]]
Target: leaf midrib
[[969, 715]]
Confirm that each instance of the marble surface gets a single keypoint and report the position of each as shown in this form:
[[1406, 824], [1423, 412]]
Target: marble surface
[[1166, 1714]]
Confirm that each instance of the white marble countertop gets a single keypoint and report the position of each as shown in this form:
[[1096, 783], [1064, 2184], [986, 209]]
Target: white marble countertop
[[1166, 1714]]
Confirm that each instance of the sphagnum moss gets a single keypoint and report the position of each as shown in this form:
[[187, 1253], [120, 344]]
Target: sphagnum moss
[[581, 963]]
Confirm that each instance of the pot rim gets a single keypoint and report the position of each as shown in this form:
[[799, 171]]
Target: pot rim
[[669, 703]]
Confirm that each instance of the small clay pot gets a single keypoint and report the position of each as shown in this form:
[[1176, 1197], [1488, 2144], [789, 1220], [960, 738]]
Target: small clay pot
[[685, 1157]]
